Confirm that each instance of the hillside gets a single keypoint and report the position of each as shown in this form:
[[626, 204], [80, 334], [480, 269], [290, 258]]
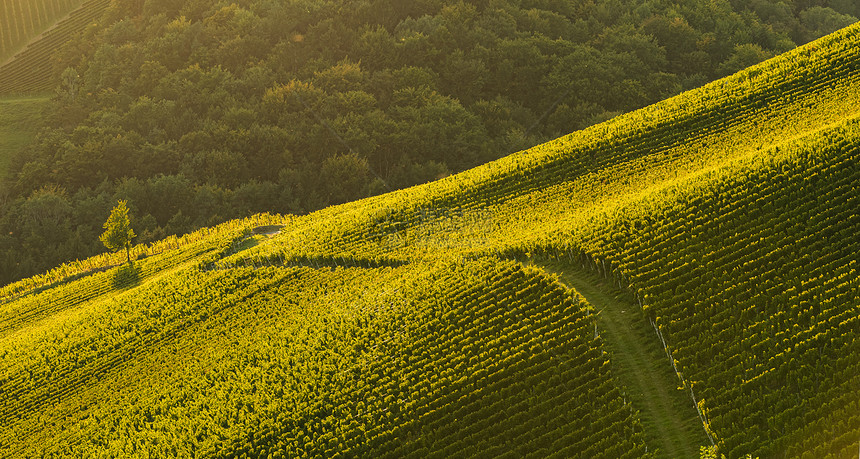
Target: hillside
[[417, 323], [198, 112]]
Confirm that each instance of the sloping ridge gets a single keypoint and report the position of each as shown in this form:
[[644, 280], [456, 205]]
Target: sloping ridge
[[735, 229], [399, 326]]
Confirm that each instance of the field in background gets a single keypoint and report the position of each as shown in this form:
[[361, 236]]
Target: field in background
[[23, 20], [32, 69], [19, 121]]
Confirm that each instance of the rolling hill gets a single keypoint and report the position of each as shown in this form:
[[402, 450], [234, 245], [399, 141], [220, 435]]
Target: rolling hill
[[422, 323], [198, 112]]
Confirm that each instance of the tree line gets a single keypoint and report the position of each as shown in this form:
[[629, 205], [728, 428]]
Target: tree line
[[198, 112]]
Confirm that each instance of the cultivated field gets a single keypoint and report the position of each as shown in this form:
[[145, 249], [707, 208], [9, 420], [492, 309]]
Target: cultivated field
[[418, 323], [23, 20], [31, 70]]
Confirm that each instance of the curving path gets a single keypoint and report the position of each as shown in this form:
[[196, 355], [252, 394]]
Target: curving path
[[671, 424]]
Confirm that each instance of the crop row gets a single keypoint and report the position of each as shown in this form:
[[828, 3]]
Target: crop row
[[751, 277], [21, 20], [32, 70], [407, 361], [724, 121]]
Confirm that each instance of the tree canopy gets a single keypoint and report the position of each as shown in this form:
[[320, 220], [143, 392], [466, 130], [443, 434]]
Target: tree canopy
[[118, 232]]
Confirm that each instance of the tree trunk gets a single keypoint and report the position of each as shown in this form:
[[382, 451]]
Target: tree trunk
[[128, 253]]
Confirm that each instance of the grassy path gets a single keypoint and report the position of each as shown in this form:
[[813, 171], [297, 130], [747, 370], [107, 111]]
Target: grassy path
[[668, 416]]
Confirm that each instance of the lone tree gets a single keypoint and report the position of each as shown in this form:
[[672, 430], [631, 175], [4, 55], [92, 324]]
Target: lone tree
[[118, 232]]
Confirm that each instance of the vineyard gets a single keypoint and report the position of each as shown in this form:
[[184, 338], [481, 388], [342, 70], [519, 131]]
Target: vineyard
[[414, 324], [459, 358], [22, 20], [49, 24]]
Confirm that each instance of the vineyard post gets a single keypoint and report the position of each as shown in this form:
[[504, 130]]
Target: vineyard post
[[678, 374]]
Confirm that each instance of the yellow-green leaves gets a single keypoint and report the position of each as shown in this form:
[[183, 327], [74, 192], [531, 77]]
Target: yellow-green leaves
[[118, 233]]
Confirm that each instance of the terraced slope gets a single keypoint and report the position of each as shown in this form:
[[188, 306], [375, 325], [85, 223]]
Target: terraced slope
[[766, 265], [461, 359], [31, 70], [403, 326]]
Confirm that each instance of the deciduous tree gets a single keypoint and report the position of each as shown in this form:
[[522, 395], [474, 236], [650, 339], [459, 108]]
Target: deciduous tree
[[118, 232]]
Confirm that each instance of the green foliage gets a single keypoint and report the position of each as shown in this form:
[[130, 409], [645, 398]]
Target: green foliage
[[743, 56], [345, 176], [820, 21], [118, 233]]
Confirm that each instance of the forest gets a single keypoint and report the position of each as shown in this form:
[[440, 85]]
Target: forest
[[200, 111]]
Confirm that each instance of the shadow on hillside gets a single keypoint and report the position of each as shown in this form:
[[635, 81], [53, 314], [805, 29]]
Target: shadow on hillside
[[267, 230], [54, 284], [127, 275], [317, 262]]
